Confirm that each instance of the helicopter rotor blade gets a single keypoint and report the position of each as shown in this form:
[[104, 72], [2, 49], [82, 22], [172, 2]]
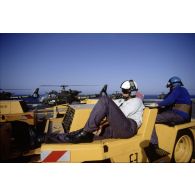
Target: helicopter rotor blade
[[50, 85], [15, 89], [84, 85], [67, 85]]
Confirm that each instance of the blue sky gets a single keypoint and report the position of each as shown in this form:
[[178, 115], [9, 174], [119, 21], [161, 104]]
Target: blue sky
[[31, 60]]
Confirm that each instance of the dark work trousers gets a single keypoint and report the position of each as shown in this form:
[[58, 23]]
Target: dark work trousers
[[168, 117], [119, 125]]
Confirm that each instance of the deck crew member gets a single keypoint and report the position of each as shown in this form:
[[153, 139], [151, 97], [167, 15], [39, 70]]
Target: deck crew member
[[177, 105], [124, 117]]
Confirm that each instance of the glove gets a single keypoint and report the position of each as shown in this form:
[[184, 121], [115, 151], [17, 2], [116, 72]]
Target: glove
[[153, 105]]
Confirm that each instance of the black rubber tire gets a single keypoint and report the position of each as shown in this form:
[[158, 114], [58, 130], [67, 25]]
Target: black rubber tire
[[184, 147], [24, 134]]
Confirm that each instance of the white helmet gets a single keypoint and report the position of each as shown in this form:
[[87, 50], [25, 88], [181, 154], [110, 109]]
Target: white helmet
[[129, 86]]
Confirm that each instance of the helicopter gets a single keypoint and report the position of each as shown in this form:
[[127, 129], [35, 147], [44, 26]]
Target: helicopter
[[5, 95], [116, 95], [32, 100], [63, 96]]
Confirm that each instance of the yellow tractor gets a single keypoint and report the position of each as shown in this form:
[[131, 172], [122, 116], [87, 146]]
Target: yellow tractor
[[20, 127], [176, 143], [16, 110]]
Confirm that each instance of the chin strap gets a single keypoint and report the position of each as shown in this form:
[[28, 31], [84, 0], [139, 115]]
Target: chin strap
[[126, 98]]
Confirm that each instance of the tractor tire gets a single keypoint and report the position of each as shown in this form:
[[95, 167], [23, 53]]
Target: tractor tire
[[184, 147], [24, 135]]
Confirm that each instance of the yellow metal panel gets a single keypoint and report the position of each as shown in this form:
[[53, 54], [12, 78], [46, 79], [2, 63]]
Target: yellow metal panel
[[149, 118], [185, 125], [121, 149], [27, 117], [79, 152], [5, 107], [90, 101], [15, 107], [80, 118], [46, 127], [166, 137], [54, 125], [132, 156], [10, 107]]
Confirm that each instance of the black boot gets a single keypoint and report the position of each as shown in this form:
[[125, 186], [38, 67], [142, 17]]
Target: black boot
[[81, 137], [57, 138], [74, 133], [41, 138]]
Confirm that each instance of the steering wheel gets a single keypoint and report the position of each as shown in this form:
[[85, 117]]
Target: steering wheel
[[104, 91]]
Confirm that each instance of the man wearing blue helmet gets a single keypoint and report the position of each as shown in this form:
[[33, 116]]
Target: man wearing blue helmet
[[177, 106]]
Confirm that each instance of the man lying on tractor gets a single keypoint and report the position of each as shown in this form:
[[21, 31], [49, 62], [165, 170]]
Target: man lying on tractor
[[123, 116]]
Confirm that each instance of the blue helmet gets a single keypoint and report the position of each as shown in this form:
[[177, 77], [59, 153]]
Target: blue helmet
[[174, 81]]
